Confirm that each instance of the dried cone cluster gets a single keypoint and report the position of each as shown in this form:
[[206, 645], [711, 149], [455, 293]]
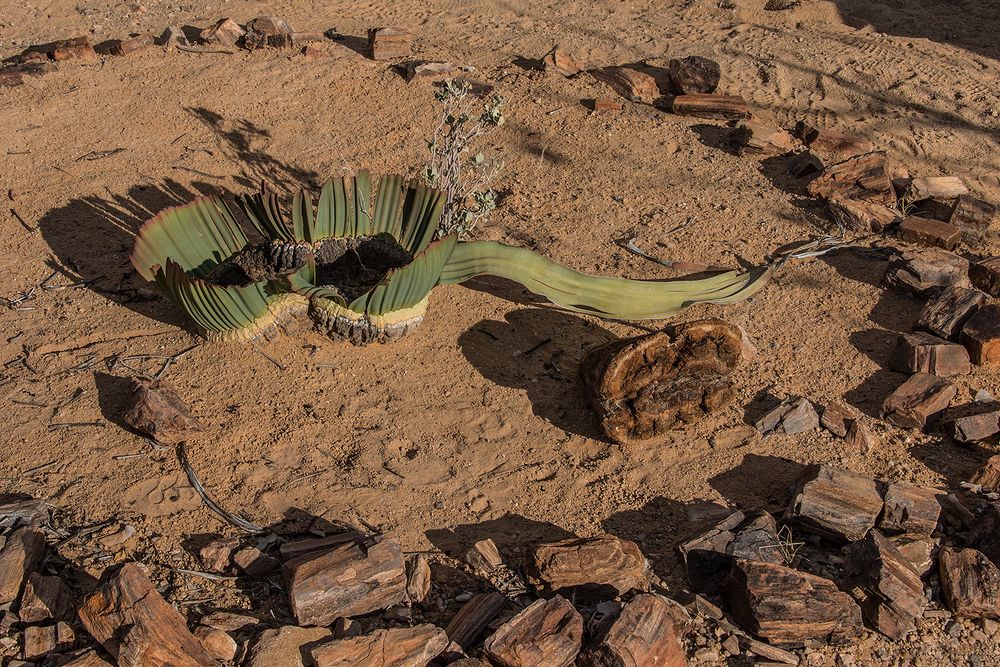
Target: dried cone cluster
[[644, 387]]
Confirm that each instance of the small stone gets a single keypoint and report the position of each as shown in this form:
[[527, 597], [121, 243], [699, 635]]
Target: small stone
[[860, 438], [134, 44], [419, 69], [631, 84], [754, 137], [605, 104], [217, 555], [217, 643], [792, 416], [837, 418], [562, 62], [155, 409], [173, 37]]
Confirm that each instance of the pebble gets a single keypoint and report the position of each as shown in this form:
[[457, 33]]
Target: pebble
[[709, 655]]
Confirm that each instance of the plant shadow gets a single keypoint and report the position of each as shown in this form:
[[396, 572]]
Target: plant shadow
[[538, 350]]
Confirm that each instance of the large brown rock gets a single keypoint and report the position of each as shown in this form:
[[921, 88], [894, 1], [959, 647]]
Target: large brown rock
[[588, 567], [351, 580], [981, 336], [860, 177], [947, 313], [20, 556], [643, 634], [910, 509], [836, 504], [156, 410], [923, 270], [45, 599], [127, 615], [693, 74], [395, 647], [548, 632], [785, 606], [920, 399], [286, 646]]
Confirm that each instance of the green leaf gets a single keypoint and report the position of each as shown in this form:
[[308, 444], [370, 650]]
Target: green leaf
[[409, 285], [610, 298]]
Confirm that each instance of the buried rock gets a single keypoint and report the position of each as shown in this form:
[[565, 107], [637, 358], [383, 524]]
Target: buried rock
[[643, 388]]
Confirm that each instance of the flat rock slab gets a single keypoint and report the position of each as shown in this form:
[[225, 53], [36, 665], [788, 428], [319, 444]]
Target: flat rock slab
[[127, 615], [918, 400], [590, 567], [837, 504], [788, 607], [548, 632]]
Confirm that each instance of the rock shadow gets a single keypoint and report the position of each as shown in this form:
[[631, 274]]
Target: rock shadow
[[514, 535], [759, 482]]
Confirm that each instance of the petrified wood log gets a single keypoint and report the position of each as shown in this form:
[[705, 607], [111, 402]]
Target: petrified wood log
[[918, 400], [785, 606], [549, 632], [590, 567], [484, 557], [981, 335], [970, 583], [470, 621], [891, 592], [351, 580], [704, 105], [155, 409], [643, 634], [836, 504], [859, 177], [641, 388], [980, 424], [693, 74], [137, 626], [45, 599], [936, 187], [921, 352], [947, 313], [921, 270], [20, 556], [395, 647], [910, 509]]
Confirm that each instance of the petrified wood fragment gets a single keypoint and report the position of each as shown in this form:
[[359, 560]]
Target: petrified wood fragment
[[21, 554], [470, 621], [137, 626], [389, 42], [861, 215], [642, 388], [910, 509], [754, 137], [947, 313], [970, 583], [588, 567], [45, 599], [918, 400], [937, 187], [859, 177], [832, 143], [837, 418], [549, 632], [929, 233], [562, 62], [920, 352], [351, 580], [225, 32], [156, 410], [785, 606], [985, 275], [891, 592], [974, 217], [977, 425], [988, 476], [643, 634], [921, 270], [836, 504], [630, 83], [704, 105], [981, 336], [395, 647], [418, 578]]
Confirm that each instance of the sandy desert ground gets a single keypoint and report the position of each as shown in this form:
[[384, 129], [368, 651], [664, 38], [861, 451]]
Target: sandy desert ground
[[454, 433]]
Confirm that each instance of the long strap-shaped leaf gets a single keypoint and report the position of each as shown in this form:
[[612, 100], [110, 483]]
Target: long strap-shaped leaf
[[407, 286], [610, 298], [264, 212], [198, 236], [213, 308], [422, 208]]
